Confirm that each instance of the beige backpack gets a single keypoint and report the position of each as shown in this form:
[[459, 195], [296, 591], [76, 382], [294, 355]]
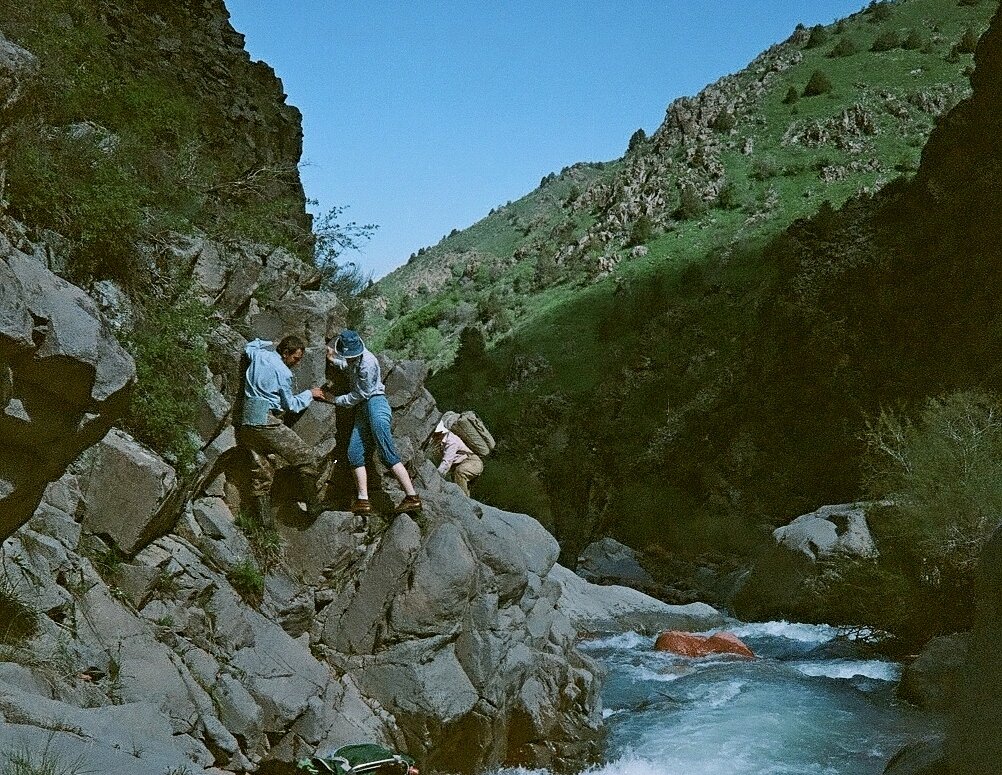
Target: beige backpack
[[471, 430]]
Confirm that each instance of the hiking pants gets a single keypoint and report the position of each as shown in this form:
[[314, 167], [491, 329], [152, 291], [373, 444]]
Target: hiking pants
[[372, 426], [465, 470], [275, 438]]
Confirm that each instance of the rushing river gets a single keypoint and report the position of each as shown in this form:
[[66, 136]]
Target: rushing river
[[808, 705]]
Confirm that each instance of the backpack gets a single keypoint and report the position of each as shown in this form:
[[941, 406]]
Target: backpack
[[471, 430]]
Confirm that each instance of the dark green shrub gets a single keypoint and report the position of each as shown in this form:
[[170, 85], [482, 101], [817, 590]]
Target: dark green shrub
[[818, 36], [169, 346], [764, 167], [944, 475], [886, 41], [472, 347], [880, 11], [792, 95], [641, 232], [18, 620], [247, 580], [691, 204], [914, 41], [79, 183], [730, 197], [724, 122], [637, 141], [818, 84], [546, 271], [968, 44], [846, 47]]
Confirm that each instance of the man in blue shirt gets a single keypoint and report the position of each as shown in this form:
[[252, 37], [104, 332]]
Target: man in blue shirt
[[268, 395]]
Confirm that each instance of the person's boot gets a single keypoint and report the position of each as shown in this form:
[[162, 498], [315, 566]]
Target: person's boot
[[315, 506], [263, 514], [410, 504]]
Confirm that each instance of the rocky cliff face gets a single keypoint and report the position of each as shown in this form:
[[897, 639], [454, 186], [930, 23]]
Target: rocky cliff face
[[144, 625], [64, 380], [155, 619]]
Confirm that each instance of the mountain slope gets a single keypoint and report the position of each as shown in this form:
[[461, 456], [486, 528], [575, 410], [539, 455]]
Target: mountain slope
[[685, 406], [740, 161]]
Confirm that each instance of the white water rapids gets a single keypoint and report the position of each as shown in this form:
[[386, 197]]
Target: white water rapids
[[810, 704]]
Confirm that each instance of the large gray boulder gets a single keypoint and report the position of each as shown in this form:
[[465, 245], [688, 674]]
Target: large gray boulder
[[608, 561], [17, 69], [830, 530], [777, 585], [613, 609], [126, 491], [461, 632], [64, 380]]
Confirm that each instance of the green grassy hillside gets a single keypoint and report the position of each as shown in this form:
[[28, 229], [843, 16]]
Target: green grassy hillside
[[734, 376], [734, 165]]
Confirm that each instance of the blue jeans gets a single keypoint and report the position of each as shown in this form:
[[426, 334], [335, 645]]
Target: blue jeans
[[372, 423]]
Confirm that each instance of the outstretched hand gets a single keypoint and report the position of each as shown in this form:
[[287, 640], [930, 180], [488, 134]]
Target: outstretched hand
[[318, 393]]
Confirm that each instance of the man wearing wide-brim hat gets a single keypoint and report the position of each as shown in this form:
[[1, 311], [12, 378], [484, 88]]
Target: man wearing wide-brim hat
[[367, 395]]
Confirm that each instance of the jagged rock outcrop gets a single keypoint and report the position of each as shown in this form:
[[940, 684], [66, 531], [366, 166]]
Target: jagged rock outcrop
[[64, 380], [451, 643]]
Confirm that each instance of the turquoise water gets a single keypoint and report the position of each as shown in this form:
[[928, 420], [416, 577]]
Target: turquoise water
[[810, 704]]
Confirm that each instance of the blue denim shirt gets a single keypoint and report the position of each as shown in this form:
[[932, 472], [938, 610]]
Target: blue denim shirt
[[268, 385]]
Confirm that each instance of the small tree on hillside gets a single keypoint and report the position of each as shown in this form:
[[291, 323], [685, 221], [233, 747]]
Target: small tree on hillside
[[724, 122], [880, 11], [792, 95], [691, 204], [818, 37], [642, 231], [546, 272], [637, 140], [914, 41], [819, 83], [846, 47], [472, 346], [886, 41]]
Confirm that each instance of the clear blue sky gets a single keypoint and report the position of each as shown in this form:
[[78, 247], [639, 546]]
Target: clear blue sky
[[422, 115]]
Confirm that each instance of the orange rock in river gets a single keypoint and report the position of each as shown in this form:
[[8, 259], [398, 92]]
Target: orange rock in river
[[688, 644]]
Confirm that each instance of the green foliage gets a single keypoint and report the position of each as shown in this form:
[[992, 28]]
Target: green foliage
[[641, 232], [637, 140], [18, 619], [472, 347], [968, 44], [546, 271], [792, 95], [818, 36], [691, 204], [169, 347], [247, 580], [427, 343], [846, 47], [944, 474], [724, 122], [887, 40], [111, 152], [881, 11], [265, 540], [819, 83], [80, 183], [914, 42]]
